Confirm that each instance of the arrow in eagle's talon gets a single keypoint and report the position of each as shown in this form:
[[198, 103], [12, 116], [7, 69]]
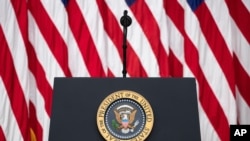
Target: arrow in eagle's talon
[[135, 124]]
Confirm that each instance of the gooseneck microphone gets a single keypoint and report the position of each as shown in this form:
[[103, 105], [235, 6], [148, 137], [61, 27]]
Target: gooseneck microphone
[[125, 22]]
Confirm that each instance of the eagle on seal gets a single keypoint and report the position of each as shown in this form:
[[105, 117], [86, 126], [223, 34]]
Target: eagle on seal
[[125, 119]]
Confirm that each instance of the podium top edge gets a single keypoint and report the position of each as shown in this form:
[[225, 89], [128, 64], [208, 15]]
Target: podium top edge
[[124, 78]]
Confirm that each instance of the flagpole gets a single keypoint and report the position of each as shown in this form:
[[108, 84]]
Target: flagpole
[[125, 22]]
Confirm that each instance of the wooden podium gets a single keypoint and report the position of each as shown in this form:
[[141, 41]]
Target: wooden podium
[[76, 101]]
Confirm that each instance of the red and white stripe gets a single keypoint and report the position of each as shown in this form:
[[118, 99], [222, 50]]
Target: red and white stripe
[[136, 39], [105, 48], [13, 72], [43, 39], [8, 122], [60, 19], [239, 11]]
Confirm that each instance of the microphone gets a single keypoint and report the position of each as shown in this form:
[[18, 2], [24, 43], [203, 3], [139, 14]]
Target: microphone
[[125, 22], [125, 19]]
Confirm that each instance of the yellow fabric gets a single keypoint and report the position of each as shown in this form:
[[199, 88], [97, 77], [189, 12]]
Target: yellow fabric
[[32, 135]]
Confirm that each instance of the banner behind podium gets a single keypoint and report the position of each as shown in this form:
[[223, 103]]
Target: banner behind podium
[[76, 101]]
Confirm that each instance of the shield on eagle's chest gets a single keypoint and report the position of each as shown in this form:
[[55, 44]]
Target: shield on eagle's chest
[[125, 123]]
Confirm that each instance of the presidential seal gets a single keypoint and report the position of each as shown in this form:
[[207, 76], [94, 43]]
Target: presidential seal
[[125, 116]]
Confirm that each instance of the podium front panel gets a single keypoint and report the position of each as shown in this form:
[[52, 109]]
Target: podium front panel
[[76, 101]]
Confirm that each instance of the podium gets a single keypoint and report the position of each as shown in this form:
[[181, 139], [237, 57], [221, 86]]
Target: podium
[[76, 101]]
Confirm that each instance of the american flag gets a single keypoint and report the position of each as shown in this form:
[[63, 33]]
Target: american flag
[[43, 39]]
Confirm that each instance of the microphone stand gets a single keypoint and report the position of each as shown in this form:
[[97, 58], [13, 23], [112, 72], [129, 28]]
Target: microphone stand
[[125, 22]]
